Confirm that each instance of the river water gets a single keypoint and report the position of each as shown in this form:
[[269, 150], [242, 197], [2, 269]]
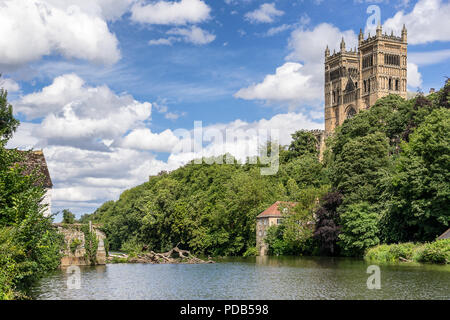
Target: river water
[[250, 278]]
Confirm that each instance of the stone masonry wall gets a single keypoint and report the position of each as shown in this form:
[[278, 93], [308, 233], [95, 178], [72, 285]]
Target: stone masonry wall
[[72, 232]]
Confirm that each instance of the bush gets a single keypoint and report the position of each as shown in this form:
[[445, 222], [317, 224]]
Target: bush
[[74, 245], [391, 253], [250, 252], [434, 252]]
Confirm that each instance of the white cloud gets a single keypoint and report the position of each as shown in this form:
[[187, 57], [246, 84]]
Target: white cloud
[[414, 76], [171, 13], [193, 35], [427, 22], [144, 139], [266, 13], [108, 9], [9, 84], [31, 29], [275, 30], [162, 41], [429, 57], [79, 115], [289, 84], [299, 81]]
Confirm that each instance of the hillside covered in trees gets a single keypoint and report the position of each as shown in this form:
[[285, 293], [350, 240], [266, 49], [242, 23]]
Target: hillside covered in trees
[[385, 178]]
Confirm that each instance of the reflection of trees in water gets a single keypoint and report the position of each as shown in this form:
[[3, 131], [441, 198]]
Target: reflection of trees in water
[[302, 262]]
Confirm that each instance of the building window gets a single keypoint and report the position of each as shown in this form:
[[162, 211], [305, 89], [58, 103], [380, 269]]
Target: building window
[[392, 59], [351, 113], [365, 86], [397, 85], [390, 84], [265, 221], [279, 221]]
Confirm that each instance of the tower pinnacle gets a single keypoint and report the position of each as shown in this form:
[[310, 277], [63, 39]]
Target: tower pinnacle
[[342, 45]]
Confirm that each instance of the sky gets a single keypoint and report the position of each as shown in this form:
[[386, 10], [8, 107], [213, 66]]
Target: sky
[[111, 89]]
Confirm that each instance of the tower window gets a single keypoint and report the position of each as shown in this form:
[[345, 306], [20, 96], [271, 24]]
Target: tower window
[[390, 84], [351, 113], [392, 59], [365, 86], [397, 85]]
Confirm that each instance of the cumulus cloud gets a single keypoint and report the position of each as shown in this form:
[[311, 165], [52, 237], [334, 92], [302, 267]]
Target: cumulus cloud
[[144, 139], [76, 114], [427, 22], [288, 84], [266, 13], [31, 29], [9, 84], [170, 12], [414, 76], [300, 80]]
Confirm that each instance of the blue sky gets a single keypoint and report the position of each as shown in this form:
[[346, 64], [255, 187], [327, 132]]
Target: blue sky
[[102, 85]]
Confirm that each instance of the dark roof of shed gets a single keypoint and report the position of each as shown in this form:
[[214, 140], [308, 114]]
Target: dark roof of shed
[[445, 235], [34, 162]]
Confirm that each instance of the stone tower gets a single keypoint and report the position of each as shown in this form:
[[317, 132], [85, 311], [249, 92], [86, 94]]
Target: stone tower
[[355, 79]]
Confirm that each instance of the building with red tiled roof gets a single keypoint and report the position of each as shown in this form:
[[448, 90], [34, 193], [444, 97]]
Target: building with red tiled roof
[[273, 215]]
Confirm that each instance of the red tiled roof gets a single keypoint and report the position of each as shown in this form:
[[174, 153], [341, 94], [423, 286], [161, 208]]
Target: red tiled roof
[[273, 210]]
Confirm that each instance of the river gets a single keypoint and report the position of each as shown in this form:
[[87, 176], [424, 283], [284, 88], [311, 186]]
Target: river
[[250, 278]]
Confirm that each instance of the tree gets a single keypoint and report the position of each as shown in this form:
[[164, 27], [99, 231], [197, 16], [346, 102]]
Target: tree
[[419, 192], [327, 226], [359, 228], [303, 143], [68, 217], [8, 124], [357, 171], [29, 245]]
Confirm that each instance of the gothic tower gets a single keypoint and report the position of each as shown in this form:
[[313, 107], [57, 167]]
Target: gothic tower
[[356, 79]]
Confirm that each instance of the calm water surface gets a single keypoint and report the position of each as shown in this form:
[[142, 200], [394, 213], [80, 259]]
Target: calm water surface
[[250, 278]]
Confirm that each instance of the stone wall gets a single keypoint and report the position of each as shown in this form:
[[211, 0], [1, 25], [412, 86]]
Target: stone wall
[[72, 232]]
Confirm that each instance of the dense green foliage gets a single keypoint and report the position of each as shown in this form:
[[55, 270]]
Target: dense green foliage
[[391, 164], [90, 244], [29, 245], [208, 209], [433, 252], [384, 178]]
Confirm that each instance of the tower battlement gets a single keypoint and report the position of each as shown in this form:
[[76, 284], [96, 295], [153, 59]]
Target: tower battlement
[[355, 79]]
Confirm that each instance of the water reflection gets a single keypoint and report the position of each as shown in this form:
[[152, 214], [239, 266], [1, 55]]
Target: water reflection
[[250, 278]]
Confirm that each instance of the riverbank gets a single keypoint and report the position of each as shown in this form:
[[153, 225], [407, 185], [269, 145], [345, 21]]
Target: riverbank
[[173, 256], [437, 252]]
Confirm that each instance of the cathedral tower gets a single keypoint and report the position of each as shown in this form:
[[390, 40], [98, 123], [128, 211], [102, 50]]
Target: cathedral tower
[[356, 79]]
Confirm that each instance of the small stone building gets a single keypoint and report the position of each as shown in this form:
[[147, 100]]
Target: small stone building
[[269, 217]]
